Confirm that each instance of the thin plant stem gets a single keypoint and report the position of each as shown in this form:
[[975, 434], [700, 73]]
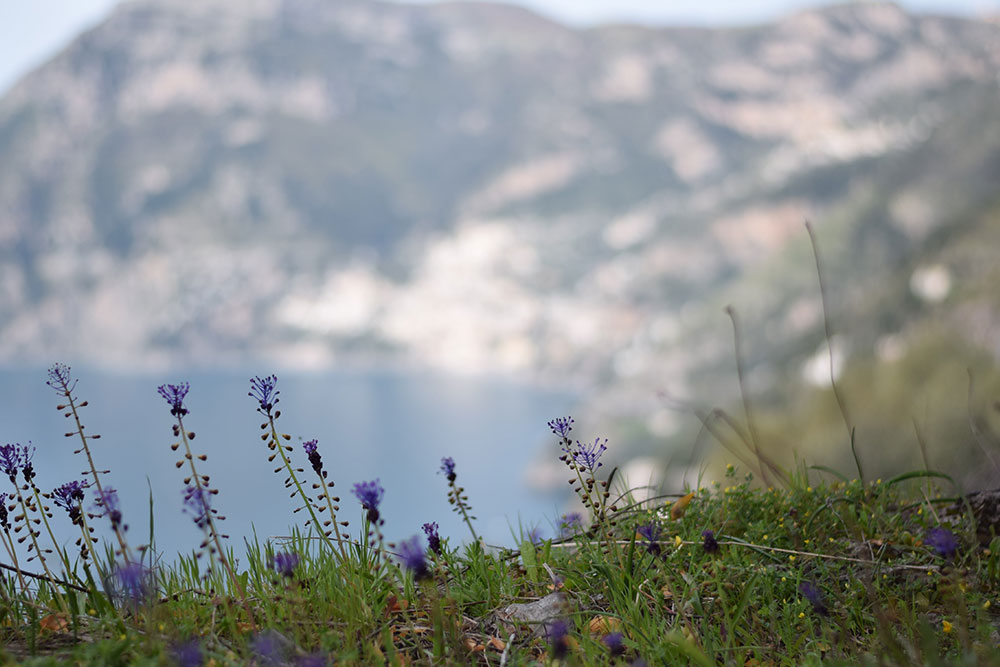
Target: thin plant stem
[[276, 441], [66, 390], [212, 530], [829, 344]]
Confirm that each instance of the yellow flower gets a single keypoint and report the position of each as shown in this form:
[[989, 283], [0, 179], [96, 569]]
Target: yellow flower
[[802, 614], [946, 626], [678, 542], [986, 605], [792, 558]]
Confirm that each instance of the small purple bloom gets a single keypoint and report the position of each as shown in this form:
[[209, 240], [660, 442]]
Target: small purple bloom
[[188, 654], [4, 518], [107, 502], [812, 593], [174, 395], [370, 495], [14, 458], [535, 536], [448, 468], [942, 541], [413, 557], [614, 643], [433, 538], [263, 390], [59, 378], [570, 524], [557, 632], [586, 456], [710, 544], [314, 458], [651, 531], [70, 497], [10, 461], [269, 647], [134, 581], [561, 426], [284, 563], [197, 501]]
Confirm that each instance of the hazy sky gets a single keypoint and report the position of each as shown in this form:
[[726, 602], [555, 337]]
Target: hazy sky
[[33, 30]]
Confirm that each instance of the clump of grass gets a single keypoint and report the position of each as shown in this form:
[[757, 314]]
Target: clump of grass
[[814, 569]]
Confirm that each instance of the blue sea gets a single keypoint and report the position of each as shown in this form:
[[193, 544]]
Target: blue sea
[[395, 427]]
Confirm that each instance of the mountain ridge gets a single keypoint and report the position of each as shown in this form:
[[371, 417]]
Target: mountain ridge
[[475, 188]]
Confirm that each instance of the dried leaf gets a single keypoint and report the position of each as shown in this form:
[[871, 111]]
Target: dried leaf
[[497, 644], [603, 625], [394, 604], [54, 623]]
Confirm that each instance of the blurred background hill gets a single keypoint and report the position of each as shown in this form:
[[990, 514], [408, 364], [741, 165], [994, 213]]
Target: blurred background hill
[[475, 188]]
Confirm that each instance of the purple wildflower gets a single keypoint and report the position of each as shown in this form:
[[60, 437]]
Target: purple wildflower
[[4, 518], [651, 531], [27, 468], [314, 457], [812, 593], [134, 581], [263, 389], [370, 495], [284, 563], [535, 536], [107, 502], [269, 647], [557, 632], [197, 501], [10, 461], [614, 643], [448, 468], [570, 524], [586, 456], [174, 395], [561, 426], [942, 541], [14, 458], [59, 378], [70, 497], [710, 544], [413, 557], [433, 538], [188, 654]]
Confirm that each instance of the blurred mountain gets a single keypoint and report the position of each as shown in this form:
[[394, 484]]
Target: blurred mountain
[[472, 187]]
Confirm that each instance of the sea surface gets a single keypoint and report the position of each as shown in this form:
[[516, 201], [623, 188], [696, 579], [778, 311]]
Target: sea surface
[[395, 427]]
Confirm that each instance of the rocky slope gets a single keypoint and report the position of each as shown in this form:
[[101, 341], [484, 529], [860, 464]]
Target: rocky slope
[[475, 188]]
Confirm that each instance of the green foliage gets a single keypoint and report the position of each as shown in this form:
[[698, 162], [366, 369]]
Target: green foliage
[[880, 592]]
